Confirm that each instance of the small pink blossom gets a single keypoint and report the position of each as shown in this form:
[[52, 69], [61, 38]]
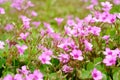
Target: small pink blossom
[[76, 54], [8, 77], [96, 74], [45, 59], [106, 37], [88, 45], [24, 70], [59, 20], [37, 75], [36, 23], [117, 2], [64, 58], [67, 69], [2, 11], [9, 27], [110, 60], [33, 13], [2, 45], [18, 77], [24, 35], [106, 6], [21, 49]]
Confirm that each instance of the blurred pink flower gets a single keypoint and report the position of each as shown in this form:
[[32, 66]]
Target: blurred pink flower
[[106, 6], [106, 37], [59, 20], [64, 58], [36, 23], [117, 2], [18, 77], [96, 74], [2, 45], [67, 69], [21, 49], [24, 70], [37, 75], [33, 13], [24, 35], [76, 54], [2, 11], [8, 77], [45, 59], [88, 46], [9, 27]]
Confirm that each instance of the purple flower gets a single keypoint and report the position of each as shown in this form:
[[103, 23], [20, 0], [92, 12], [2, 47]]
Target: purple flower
[[88, 46], [59, 20], [8, 77], [21, 49], [45, 59], [117, 2], [18, 77], [106, 6], [24, 35], [37, 75], [67, 69], [76, 54], [109, 52], [110, 60], [36, 23], [24, 70], [2, 11], [64, 58], [96, 74], [8, 27], [33, 13], [106, 37]]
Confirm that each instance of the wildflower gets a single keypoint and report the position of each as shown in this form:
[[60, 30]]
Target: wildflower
[[110, 60], [96, 74], [8, 27], [76, 54], [67, 69], [106, 6], [36, 23], [2, 11], [24, 70], [8, 77], [24, 35], [109, 52], [59, 20], [37, 75], [64, 58], [117, 2], [18, 77], [33, 13], [45, 59], [2, 45], [88, 46], [95, 30], [106, 37], [21, 49]]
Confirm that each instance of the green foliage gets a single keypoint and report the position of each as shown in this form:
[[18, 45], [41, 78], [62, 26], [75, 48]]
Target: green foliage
[[115, 9]]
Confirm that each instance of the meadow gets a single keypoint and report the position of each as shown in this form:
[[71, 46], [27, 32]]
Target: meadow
[[59, 39]]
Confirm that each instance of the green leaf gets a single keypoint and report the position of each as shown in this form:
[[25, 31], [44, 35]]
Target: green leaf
[[90, 66], [116, 75], [97, 60], [84, 74], [2, 62]]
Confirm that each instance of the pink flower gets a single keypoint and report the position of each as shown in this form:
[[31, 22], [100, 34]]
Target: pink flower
[[110, 60], [106, 37], [109, 52], [76, 54], [59, 20], [26, 22], [8, 77], [24, 35], [37, 75], [106, 6], [88, 46], [2, 45], [94, 2], [36, 23], [24, 70], [2, 11], [117, 2], [18, 77], [96, 74], [64, 58], [8, 27], [95, 30], [48, 27], [67, 69], [21, 49], [33, 13], [45, 59]]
